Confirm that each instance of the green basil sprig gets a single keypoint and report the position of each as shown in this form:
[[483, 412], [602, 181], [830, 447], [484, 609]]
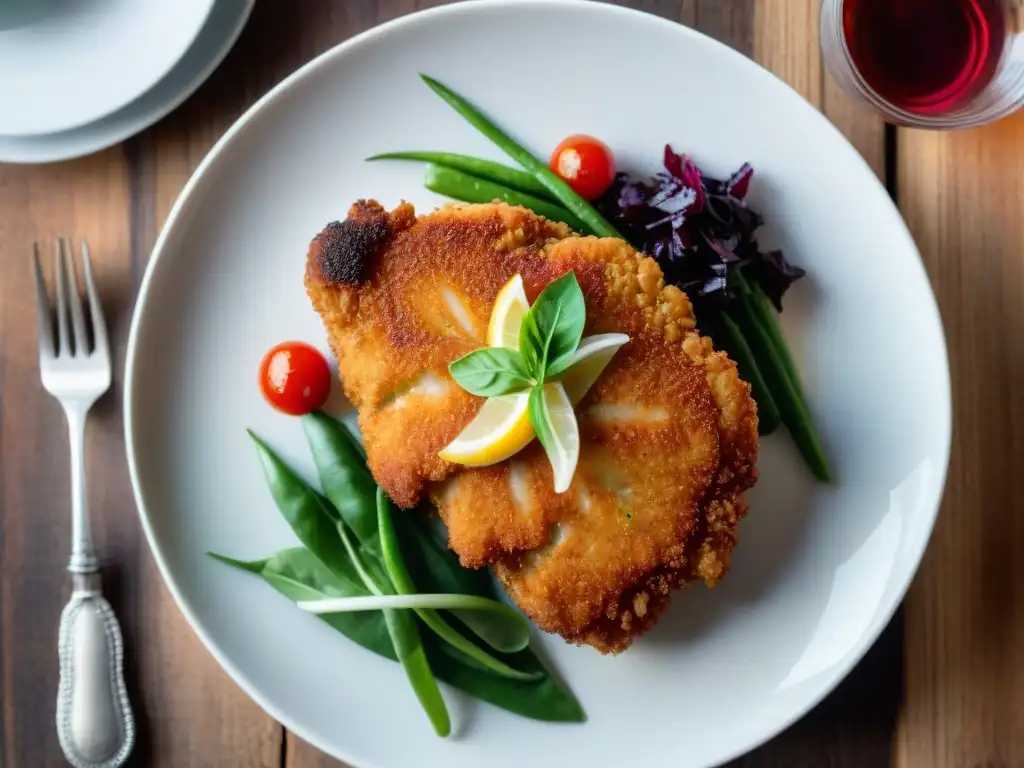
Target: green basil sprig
[[549, 339], [550, 333], [553, 327]]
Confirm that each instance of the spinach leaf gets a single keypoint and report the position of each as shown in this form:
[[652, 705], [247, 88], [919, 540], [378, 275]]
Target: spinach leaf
[[541, 700], [253, 566], [344, 477], [304, 511], [298, 575], [434, 567]]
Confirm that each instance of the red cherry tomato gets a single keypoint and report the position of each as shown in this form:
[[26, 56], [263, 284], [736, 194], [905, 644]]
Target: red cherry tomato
[[294, 378], [586, 164]]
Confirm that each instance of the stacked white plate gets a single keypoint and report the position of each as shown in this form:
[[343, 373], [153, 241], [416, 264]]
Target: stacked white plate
[[76, 77]]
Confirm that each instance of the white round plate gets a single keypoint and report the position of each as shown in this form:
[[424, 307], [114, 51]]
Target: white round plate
[[81, 61], [217, 37], [819, 569]]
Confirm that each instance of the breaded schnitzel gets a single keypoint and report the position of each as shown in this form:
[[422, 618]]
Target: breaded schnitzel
[[668, 432]]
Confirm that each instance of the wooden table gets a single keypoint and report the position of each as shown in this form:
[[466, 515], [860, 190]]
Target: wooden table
[[944, 686]]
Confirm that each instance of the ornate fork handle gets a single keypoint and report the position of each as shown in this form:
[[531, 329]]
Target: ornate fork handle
[[94, 720], [95, 725]]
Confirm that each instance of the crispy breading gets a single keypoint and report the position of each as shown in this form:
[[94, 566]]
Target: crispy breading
[[668, 432], [421, 302]]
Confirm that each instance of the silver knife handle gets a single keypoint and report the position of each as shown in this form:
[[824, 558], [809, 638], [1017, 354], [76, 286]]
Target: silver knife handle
[[94, 719]]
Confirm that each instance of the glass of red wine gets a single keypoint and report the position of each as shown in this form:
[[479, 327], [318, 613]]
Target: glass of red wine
[[939, 64]]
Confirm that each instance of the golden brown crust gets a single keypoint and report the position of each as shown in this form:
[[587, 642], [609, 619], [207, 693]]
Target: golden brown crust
[[635, 287], [422, 302], [668, 433]]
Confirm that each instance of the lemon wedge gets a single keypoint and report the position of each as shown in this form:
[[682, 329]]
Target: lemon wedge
[[563, 445], [500, 430], [510, 307], [502, 427], [589, 361]]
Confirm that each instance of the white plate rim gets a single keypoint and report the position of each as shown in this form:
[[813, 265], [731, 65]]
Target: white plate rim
[[838, 672]]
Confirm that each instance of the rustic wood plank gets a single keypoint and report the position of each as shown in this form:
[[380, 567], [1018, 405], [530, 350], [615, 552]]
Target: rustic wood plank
[[34, 464], [961, 194], [786, 42], [854, 726], [731, 22]]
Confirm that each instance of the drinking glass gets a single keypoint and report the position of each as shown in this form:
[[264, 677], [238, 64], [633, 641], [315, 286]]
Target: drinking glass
[[940, 64]]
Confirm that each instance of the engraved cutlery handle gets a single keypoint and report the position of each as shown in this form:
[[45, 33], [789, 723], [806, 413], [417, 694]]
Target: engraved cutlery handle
[[94, 719]]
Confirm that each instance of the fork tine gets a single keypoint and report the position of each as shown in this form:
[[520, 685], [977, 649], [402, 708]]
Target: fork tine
[[63, 347], [45, 324], [81, 340], [99, 326]]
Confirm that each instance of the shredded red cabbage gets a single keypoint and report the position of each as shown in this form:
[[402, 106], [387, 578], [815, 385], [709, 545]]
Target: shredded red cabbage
[[699, 230]]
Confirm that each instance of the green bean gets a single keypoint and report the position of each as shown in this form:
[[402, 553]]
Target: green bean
[[413, 657], [404, 586], [735, 343], [436, 569], [762, 306], [557, 186], [326, 568], [477, 166], [792, 407], [408, 645], [470, 189]]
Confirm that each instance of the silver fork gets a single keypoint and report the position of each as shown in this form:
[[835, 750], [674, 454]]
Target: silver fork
[[95, 725]]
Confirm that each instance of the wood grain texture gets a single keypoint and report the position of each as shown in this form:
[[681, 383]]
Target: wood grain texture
[[962, 196], [786, 42]]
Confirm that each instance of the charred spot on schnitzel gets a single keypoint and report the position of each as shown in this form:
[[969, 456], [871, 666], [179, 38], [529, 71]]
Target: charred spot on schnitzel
[[668, 431], [345, 247]]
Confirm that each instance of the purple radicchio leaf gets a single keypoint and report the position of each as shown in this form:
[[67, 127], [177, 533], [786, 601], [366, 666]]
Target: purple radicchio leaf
[[776, 274], [699, 229], [739, 183]]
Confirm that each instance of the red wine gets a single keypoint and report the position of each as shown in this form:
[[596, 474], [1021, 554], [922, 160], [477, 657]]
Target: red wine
[[925, 56]]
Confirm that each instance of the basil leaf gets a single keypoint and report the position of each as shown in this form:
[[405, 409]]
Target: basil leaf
[[492, 372], [553, 327]]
